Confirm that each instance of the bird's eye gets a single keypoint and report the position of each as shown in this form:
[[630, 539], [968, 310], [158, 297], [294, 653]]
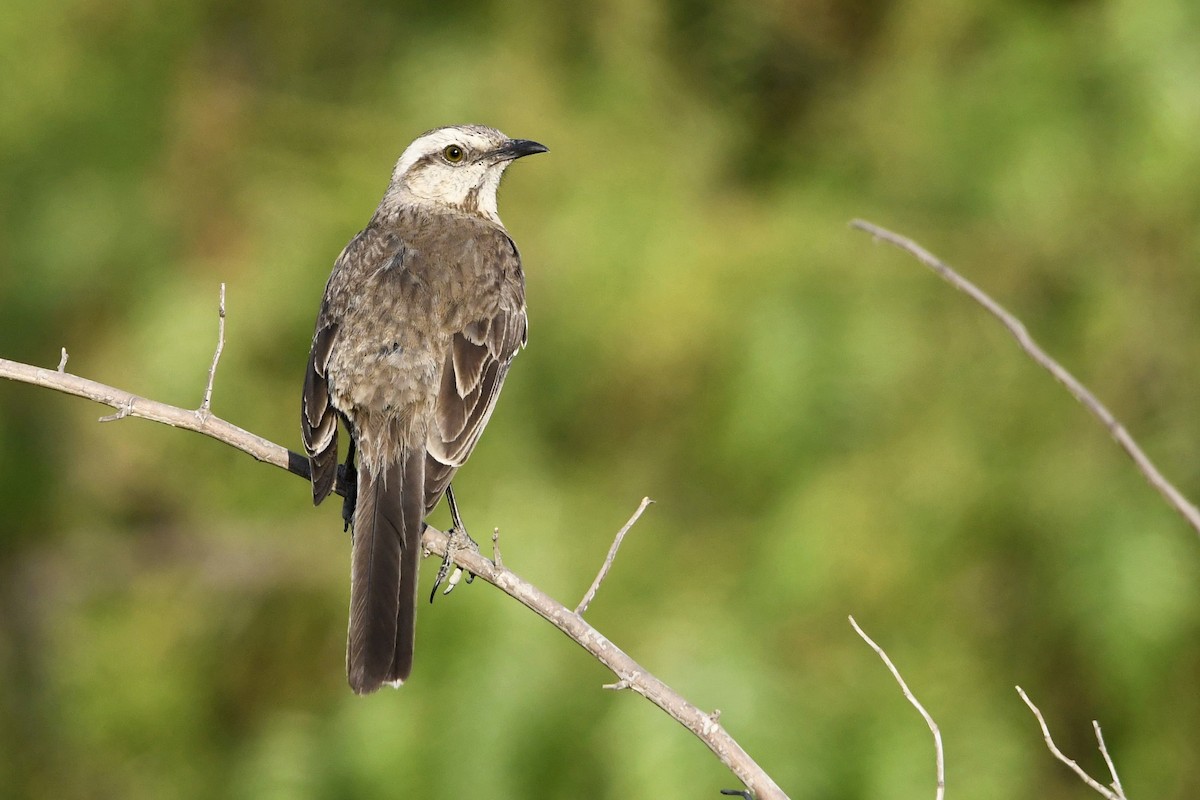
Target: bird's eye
[[453, 153]]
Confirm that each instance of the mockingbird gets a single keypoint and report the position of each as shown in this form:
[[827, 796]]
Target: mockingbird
[[422, 315]]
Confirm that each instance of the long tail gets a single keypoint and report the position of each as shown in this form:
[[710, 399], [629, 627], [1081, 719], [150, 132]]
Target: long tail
[[383, 575]]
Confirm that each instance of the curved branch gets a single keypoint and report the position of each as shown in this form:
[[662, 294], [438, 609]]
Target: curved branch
[[938, 752], [1172, 495], [630, 674]]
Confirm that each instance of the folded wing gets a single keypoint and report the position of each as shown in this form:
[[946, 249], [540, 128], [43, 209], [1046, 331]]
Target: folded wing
[[473, 372]]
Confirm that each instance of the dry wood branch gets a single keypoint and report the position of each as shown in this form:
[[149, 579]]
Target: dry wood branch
[[608, 561], [630, 674], [939, 754], [1080, 392], [130, 405], [1118, 794]]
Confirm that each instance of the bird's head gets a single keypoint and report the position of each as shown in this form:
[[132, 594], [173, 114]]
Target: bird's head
[[459, 166]]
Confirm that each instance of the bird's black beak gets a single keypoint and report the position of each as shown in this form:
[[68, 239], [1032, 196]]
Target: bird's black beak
[[518, 148]]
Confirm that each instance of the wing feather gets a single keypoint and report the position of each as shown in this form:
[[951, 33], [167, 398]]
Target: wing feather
[[318, 419], [473, 373]]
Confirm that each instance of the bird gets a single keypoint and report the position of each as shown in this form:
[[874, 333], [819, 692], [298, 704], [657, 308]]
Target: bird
[[421, 318]]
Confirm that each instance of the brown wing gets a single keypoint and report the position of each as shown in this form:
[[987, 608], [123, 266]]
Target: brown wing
[[473, 372], [318, 420]]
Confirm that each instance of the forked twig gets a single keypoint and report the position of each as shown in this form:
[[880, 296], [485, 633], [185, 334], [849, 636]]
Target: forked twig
[[608, 561], [1173, 496], [1118, 794], [939, 754]]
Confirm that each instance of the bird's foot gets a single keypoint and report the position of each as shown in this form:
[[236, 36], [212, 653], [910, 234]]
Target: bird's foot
[[458, 539]]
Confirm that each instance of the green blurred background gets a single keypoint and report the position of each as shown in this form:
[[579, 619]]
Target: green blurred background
[[826, 428]]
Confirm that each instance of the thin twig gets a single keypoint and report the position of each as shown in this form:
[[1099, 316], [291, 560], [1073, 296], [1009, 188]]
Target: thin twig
[[1112, 769], [123, 411], [1078, 770], [62, 362], [1080, 392], [212, 371], [630, 674], [608, 561], [939, 754], [496, 559]]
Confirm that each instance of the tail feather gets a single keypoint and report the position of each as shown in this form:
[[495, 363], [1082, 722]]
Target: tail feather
[[410, 562], [383, 581]]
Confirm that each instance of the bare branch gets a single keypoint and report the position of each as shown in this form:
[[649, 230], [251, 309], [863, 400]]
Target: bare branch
[[1078, 770], [62, 362], [130, 405], [630, 674], [608, 561], [1080, 392], [212, 371], [939, 753]]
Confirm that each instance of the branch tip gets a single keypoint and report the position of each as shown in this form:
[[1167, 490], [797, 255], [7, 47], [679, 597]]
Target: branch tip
[[206, 403], [1174, 498], [123, 411], [939, 752], [590, 595], [499, 562]]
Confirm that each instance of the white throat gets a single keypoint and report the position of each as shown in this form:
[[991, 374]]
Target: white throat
[[422, 175]]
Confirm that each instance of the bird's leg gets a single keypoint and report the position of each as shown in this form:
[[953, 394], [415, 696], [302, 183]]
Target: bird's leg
[[350, 500], [459, 538], [456, 519]]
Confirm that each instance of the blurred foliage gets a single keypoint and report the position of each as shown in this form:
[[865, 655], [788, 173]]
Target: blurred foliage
[[827, 429]]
